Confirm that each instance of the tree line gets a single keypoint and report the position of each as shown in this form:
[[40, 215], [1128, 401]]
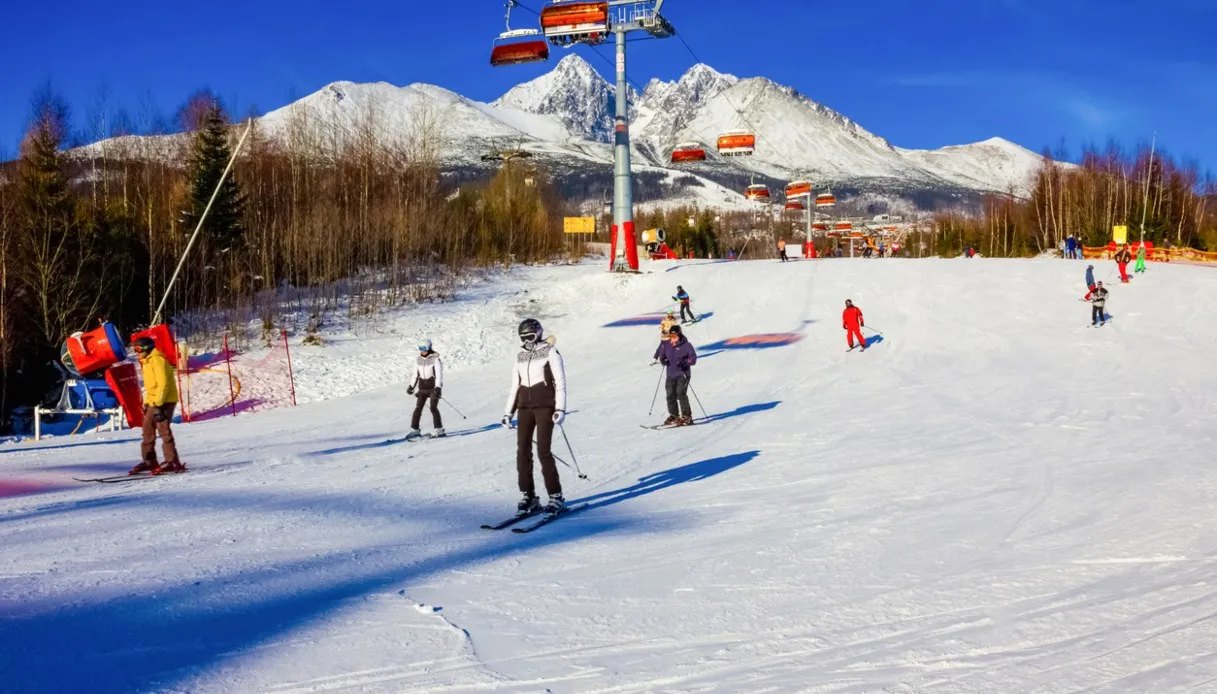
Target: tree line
[[308, 226]]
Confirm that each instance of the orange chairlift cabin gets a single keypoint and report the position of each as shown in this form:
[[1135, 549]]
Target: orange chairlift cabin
[[795, 205], [737, 143], [758, 192], [519, 46], [566, 22], [819, 226], [688, 151], [825, 200], [844, 226], [798, 189]]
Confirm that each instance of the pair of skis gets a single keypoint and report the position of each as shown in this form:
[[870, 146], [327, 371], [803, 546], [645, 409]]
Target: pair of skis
[[545, 519], [126, 478]]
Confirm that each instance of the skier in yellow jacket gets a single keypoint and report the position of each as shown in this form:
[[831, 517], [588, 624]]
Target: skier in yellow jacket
[[160, 398]]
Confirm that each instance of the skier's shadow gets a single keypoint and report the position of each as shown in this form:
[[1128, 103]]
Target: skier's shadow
[[873, 340], [740, 411], [659, 481]]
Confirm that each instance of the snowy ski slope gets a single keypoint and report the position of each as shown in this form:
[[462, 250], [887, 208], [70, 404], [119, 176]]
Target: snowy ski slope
[[994, 498]]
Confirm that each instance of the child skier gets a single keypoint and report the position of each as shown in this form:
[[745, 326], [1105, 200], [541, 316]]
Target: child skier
[[666, 324], [1089, 282], [678, 356], [683, 297], [852, 322], [538, 394], [1098, 304], [160, 397], [1123, 258], [428, 383], [1140, 266]]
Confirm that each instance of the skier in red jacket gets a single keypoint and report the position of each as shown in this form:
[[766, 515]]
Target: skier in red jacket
[[853, 323]]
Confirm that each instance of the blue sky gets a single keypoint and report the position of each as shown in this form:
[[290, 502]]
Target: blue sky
[[1043, 73]]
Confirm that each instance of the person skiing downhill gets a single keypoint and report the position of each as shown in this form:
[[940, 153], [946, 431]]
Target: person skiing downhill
[[538, 394], [1123, 258], [677, 356], [1140, 266], [160, 397], [683, 297], [1089, 282], [852, 322], [427, 384], [1098, 304]]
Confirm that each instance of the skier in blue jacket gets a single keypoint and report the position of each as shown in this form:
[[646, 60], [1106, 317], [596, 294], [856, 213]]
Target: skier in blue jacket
[[678, 356], [683, 297], [1089, 282]]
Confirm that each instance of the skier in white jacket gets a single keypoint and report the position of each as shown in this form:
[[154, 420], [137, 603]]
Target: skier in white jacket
[[538, 395], [428, 381]]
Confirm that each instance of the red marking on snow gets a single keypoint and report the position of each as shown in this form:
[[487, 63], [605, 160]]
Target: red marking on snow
[[10, 488]]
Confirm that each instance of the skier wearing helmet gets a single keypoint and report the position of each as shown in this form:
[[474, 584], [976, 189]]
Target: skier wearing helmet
[[683, 297], [666, 324], [428, 382], [160, 397], [538, 396]]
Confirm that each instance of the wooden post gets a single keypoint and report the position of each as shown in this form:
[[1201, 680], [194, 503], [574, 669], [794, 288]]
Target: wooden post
[[232, 393], [290, 375]]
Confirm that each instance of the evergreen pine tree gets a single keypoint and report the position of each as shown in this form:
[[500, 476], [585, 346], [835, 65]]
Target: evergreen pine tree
[[209, 155]]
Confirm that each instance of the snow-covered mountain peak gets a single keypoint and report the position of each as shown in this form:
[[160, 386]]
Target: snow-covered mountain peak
[[574, 92]]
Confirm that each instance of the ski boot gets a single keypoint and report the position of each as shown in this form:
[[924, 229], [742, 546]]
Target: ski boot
[[528, 505], [555, 506], [684, 421], [437, 434], [173, 467], [670, 420], [414, 434], [150, 467]]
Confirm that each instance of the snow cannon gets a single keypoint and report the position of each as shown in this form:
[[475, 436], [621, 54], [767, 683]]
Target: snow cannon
[[162, 337], [656, 236], [93, 351]]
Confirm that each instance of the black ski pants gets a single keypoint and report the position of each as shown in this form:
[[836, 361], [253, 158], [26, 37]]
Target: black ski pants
[[421, 399], [541, 421], [684, 307], [1096, 314], [678, 394]]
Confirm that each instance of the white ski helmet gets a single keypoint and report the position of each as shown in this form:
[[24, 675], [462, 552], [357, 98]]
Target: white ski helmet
[[424, 345]]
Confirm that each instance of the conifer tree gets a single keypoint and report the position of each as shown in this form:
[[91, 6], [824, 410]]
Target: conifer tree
[[209, 154]]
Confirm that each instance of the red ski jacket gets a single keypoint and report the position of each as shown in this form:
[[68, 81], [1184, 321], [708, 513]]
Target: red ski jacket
[[852, 318]]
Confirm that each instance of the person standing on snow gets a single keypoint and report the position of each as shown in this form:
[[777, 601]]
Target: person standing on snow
[[1089, 282], [427, 384], [677, 356], [1140, 266], [538, 394], [852, 322], [160, 397], [683, 297], [782, 250], [1098, 305], [1123, 258]]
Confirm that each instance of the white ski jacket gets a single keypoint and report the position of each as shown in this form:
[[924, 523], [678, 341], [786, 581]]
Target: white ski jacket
[[538, 379], [428, 373]]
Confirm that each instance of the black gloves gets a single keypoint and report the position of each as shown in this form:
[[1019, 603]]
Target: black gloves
[[410, 390]]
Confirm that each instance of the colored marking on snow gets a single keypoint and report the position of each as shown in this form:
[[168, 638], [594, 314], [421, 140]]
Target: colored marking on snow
[[758, 341], [644, 319], [10, 488]]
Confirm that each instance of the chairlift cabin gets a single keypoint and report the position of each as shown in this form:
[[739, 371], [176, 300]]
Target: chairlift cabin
[[798, 189], [819, 226], [688, 151], [825, 200], [844, 226], [795, 205], [737, 143], [518, 47], [568, 22], [758, 192]]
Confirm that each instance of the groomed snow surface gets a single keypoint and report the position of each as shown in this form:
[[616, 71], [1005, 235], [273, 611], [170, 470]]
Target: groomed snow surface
[[994, 498]]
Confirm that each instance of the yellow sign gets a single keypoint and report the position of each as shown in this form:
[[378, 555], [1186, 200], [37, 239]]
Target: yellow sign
[[1119, 234], [579, 225]]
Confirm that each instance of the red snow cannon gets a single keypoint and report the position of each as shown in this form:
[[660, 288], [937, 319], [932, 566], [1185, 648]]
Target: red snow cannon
[[92, 351], [162, 337]]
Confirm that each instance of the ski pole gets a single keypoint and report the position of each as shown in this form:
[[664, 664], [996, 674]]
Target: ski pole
[[877, 332], [453, 408], [560, 460], [572, 453], [703, 407], [656, 396]]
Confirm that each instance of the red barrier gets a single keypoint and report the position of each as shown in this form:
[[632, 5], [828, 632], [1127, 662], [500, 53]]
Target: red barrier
[[125, 384]]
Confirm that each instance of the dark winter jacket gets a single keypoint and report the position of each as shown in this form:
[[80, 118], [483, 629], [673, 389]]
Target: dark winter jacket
[[677, 357], [1123, 256], [1100, 297]]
